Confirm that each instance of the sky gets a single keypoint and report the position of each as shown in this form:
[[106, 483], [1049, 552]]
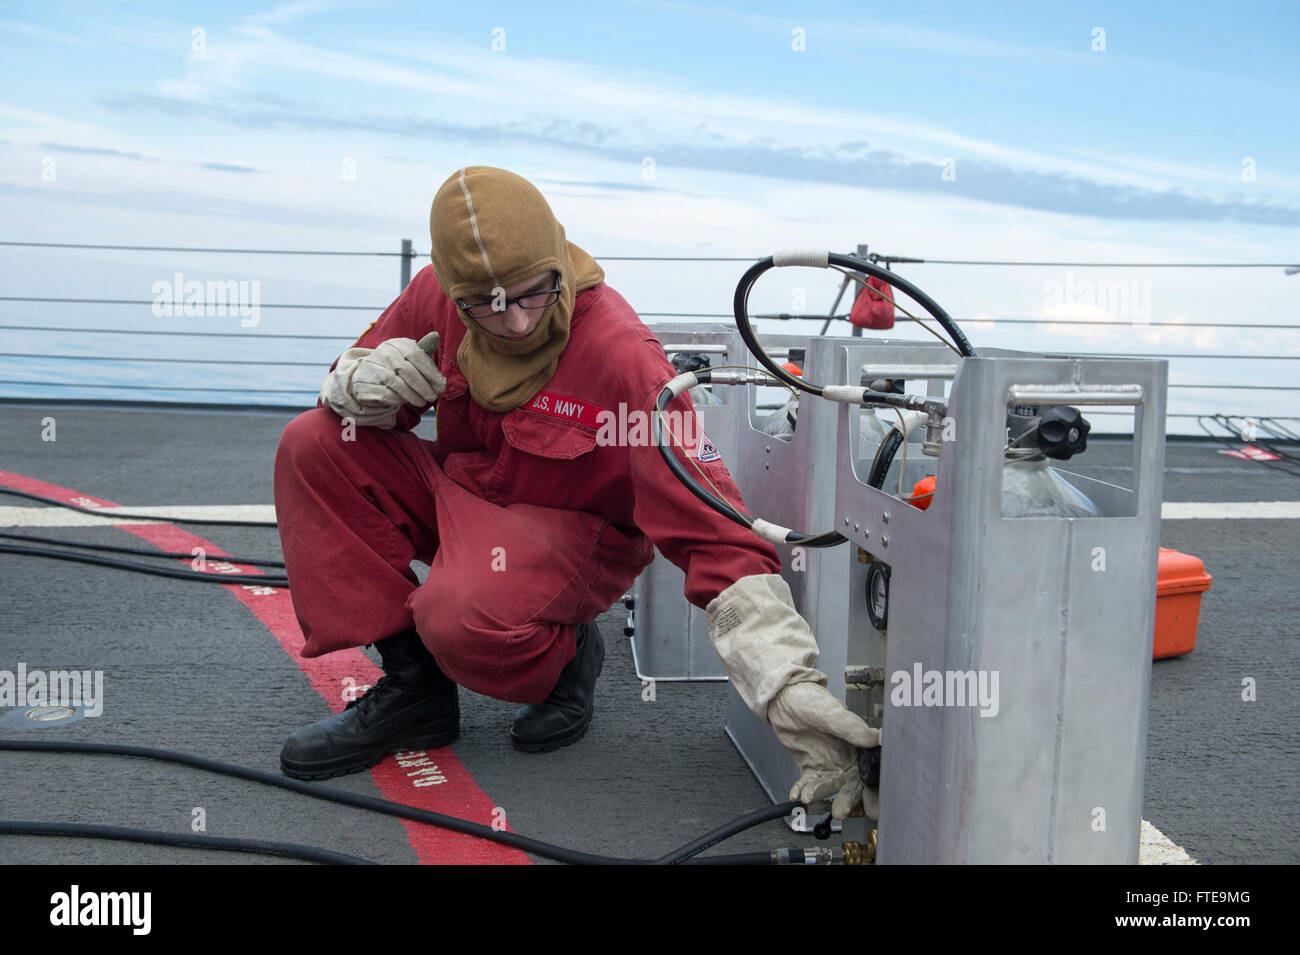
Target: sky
[[1087, 132]]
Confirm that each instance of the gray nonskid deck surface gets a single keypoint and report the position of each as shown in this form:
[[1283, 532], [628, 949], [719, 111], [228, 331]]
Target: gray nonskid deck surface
[[188, 668]]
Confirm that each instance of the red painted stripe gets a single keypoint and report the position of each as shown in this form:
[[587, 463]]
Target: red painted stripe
[[450, 789]]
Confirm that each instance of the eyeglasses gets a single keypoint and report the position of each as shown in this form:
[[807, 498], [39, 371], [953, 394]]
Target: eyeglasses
[[530, 300]]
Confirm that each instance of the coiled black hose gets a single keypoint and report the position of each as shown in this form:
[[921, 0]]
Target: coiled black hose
[[741, 307]]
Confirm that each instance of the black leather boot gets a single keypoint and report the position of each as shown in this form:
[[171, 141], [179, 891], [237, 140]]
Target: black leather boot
[[414, 705], [564, 716]]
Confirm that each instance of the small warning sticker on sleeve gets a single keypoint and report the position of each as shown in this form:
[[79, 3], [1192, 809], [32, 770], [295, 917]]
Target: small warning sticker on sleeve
[[707, 451]]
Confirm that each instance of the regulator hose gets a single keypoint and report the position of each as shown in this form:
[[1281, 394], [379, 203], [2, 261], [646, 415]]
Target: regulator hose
[[769, 532], [884, 458], [818, 259]]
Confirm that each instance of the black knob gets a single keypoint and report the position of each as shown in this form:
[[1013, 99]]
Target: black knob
[[685, 362], [1063, 432], [869, 766]]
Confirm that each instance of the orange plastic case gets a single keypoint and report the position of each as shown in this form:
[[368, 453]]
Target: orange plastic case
[[1182, 580]]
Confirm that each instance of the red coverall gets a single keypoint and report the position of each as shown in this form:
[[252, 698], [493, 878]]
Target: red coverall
[[529, 525]]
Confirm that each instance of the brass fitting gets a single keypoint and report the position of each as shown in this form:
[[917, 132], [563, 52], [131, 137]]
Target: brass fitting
[[857, 853]]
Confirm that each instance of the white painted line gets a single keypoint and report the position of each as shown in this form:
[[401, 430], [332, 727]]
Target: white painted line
[[1155, 848], [66, 517], [1228, 510]]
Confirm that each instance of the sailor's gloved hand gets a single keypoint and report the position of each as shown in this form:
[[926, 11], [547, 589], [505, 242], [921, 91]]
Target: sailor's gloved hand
[[824, 738], [768, 651], [370, 385]]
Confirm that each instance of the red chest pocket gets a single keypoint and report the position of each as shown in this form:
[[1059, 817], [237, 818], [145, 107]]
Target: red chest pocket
[[544, 461]]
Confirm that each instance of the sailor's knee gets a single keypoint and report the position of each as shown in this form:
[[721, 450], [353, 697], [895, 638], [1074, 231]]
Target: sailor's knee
[[437, 617], [306, 438], [451, 626]]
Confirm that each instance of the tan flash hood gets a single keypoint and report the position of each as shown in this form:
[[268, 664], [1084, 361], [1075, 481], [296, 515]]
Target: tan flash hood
[[491, 228]]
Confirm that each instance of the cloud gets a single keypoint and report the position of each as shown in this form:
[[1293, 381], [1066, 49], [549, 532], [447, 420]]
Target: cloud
[[121, 154], [477, 93], [852, 163], [53, 36], [226, 167], [92, 151], [289, 12], [617, 186]]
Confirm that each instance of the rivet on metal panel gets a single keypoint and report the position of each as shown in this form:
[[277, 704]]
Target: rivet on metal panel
[[884, 516], [884, 541]]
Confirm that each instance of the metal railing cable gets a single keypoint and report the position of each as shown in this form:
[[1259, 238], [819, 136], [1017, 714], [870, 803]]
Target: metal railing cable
[[659, 258], [410, 253]]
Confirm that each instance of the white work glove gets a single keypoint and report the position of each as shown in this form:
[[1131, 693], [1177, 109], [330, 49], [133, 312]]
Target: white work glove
[[768, 651], [370, 385]]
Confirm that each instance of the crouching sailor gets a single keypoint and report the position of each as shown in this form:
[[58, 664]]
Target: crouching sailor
[[531, 526]]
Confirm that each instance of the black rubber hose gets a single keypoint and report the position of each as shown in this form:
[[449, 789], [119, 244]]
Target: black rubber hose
[[884, 458], [1228, 422], [728, 511], [826, 539], [741, 308], [1284, 465], [738, 858], [184, 840], [726, 832], [401, 810], [142, 551], [146, 517], [175, 572], [1278, 429]]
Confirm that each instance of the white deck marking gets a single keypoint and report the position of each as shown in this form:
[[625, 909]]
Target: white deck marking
[[1155, 848], [65, 517], [1228, 510]]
